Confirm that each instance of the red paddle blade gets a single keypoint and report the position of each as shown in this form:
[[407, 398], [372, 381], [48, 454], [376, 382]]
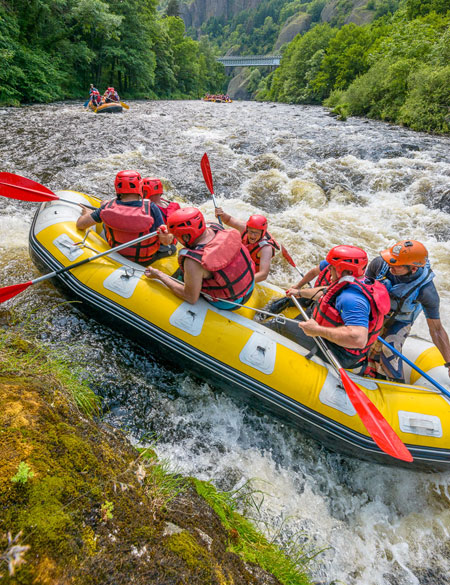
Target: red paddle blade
[[8, 292], [287, 256], [18, 187], [377, 426], [207, 175]]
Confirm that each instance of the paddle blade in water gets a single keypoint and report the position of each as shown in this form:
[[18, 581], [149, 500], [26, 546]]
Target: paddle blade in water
[[18, 187], [8, 292], [377, 426]]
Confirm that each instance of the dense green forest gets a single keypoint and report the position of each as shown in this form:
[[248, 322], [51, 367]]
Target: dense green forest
[[53, 49], [397, 68]]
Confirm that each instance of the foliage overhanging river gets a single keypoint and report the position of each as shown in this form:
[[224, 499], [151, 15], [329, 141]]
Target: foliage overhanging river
[[367, 183]]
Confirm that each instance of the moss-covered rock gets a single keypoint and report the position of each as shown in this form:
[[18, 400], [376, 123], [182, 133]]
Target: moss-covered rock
[[80, 505]]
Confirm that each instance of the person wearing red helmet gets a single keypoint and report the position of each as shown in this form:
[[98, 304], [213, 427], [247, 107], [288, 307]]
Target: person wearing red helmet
[[213, 262], [348, 313], [152, 189], [256, 239], [128, 217], [111, 95], [96, 98], [405, 271]]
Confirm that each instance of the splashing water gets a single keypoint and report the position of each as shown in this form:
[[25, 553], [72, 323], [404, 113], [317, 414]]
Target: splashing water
[[320, 182]]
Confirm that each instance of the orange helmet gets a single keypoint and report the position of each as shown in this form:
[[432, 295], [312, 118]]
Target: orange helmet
[[406, 253]]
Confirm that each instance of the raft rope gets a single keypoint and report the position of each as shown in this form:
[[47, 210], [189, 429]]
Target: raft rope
[[279, 318], [131, 271]]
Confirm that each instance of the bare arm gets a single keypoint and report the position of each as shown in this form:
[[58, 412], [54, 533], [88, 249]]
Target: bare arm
[[228, 219], [440, 338], [85, 220], [351, 336], [193, 276], [264, 263], [313, 273]]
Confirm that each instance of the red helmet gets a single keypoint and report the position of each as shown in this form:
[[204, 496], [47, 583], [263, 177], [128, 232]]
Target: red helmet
[[349, 258], [257, 222], [128, 182], [186, 224], [151, 186], [110, 89], [406, 253]]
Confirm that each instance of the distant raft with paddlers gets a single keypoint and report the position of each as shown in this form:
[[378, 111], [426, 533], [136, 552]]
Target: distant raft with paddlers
[[232, 351], [221, 99], [109, 108]]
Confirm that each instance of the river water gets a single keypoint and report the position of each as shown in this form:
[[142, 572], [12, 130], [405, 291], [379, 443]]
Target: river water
[[321, 182]]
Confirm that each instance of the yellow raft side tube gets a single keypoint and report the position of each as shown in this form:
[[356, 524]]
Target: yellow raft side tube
[[256, 359]]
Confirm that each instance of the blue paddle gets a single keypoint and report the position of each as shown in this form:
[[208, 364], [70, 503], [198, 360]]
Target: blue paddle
[[410, 363]]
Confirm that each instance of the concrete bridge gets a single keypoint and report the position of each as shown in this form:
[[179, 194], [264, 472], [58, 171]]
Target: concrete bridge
[[251, 61]]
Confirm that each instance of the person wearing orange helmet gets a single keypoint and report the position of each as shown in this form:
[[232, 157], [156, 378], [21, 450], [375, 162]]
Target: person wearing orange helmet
[[404, 269], [126, 218], [213, 262], [348, 313], [256, 239], [152, 189]]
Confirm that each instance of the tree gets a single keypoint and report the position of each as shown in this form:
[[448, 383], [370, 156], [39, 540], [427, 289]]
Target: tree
[[173, 8]]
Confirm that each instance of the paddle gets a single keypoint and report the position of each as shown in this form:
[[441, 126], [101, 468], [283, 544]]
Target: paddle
[[124, 105], [207, 175], [377, 426], [413, 365], [8, 292], [23, 189], [287, 257]]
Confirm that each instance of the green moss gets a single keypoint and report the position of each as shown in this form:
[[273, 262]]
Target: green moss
[[185, 546], [95, 505]]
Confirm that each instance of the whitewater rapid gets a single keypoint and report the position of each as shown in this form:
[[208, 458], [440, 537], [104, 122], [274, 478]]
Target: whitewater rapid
[[320, 182]]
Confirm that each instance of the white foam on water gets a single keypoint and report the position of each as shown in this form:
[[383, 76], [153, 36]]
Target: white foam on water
[[370, 184]]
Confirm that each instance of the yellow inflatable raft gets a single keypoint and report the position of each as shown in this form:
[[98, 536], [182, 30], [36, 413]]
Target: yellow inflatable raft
[[232, 351], [109, 108]]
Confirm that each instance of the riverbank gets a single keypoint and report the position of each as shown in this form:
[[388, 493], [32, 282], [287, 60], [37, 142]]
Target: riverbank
[[82, 505]]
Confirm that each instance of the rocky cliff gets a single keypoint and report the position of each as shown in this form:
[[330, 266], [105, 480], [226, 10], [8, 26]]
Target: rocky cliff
[[197, 12]]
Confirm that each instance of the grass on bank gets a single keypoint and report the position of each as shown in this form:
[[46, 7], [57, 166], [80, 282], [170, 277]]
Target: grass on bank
[[289, 565], [19, 357]]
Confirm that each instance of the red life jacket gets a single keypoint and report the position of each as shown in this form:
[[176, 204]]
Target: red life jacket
[[232, 269], [324, 278], [124, 223], [255, 249], [169, 209], [326, 314]]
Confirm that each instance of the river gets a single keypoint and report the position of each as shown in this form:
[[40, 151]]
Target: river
[[321, 182]]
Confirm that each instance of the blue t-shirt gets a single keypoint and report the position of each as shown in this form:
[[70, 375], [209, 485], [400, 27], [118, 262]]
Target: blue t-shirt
[[154, 210], [353, 307]]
